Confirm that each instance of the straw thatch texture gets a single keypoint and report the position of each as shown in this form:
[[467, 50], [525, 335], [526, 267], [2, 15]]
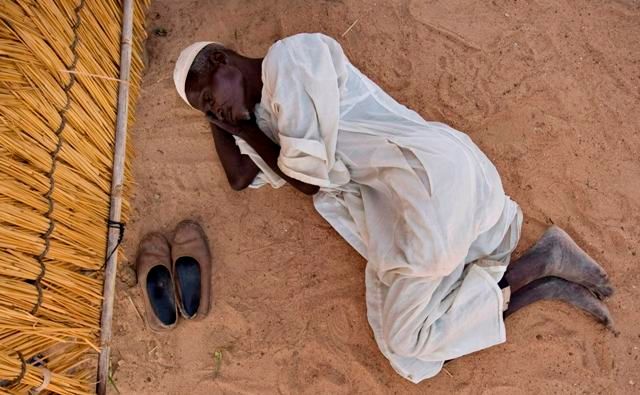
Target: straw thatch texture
[[58, 91]]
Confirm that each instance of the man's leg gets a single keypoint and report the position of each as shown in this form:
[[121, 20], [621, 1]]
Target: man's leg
[[554, 288], [557, 255], [555, 268]]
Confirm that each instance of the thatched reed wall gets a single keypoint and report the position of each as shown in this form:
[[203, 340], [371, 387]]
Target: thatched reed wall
[[58, 92]]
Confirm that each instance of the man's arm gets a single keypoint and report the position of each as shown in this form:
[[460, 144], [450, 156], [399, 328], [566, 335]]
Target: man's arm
[[267, 149], [239, 168]]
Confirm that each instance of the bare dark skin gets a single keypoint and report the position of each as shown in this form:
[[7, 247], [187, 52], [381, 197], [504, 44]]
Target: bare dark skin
[[554, 268], [226, 92]]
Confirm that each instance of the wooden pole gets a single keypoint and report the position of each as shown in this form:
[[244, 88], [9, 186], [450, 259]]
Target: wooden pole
[[117, 185]]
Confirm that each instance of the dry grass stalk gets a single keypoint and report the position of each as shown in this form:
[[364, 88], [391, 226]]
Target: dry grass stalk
[[57, 122]]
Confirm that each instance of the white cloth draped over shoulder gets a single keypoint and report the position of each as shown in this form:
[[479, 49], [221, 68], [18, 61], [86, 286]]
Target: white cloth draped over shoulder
[[417, 199]]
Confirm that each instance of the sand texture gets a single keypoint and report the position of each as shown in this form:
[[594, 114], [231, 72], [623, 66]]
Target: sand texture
[[550, 90]]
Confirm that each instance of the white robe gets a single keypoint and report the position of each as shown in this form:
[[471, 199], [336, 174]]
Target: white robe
[[417, 199]]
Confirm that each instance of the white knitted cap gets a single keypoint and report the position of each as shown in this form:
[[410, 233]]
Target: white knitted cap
[[183, 64]]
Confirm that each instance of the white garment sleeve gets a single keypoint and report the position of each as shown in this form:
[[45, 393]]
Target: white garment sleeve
[[266, 175], [302, 76]]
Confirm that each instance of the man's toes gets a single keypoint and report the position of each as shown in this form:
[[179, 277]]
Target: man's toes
[[577, 266], [602, 291], [554, 288], [580, 297], [604, 316], [596, 279], [597, 272]]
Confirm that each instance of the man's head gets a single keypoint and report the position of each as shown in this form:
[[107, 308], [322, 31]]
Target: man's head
[[210, 78]]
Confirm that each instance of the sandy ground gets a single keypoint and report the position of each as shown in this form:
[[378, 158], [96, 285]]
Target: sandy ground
[[549, 90]]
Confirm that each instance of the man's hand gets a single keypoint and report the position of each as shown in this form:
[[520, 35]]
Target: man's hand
[[239, 169], [267, 149]]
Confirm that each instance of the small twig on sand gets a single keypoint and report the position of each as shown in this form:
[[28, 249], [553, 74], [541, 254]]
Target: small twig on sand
[[152, 350], [135, 308], [113, 383], [451, 35], [217, 356], [447, 372], [350, 27]]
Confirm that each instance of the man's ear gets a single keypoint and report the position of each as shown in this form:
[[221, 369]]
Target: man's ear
[[218, 57]]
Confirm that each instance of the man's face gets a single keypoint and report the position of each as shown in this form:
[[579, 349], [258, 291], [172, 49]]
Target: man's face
[[219, 93]]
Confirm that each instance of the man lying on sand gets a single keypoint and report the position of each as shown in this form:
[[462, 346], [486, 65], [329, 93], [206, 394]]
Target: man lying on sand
[[417, 199]]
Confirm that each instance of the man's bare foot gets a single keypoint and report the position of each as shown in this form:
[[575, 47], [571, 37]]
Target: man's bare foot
[[554, 288], [573, 264], [556, 254]]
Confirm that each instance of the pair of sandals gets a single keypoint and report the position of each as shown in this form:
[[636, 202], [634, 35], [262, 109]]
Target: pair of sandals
[[175, 276]]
